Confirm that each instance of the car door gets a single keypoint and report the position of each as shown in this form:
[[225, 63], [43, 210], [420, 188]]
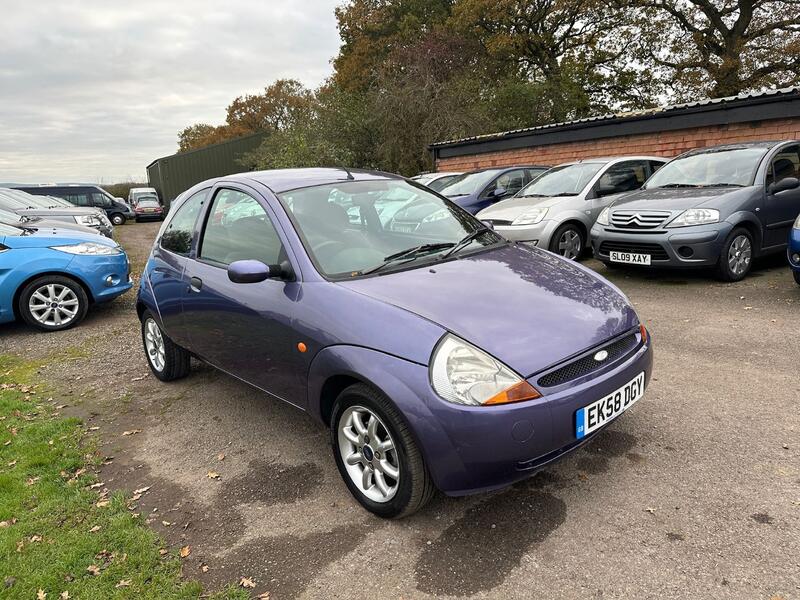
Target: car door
[[244, 329], [617, 178], [165, 272], [781, 209]]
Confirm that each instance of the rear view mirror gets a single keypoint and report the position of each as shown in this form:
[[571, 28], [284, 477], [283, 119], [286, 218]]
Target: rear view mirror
[[497, 192], [253, 271], [784, 185]]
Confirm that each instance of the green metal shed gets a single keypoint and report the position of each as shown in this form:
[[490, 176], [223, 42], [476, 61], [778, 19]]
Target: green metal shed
[[172, 175]]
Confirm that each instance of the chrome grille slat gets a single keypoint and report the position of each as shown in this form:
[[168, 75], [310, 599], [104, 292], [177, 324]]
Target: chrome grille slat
[[639, 219]]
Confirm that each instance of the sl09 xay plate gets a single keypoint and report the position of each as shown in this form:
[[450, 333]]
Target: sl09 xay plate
[[605, 410], [630, 258]]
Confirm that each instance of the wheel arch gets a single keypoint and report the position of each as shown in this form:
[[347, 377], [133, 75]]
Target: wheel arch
[[72, 276], [754, 228]]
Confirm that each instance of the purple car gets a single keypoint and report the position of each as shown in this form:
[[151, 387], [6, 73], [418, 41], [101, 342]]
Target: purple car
[[439, 354]]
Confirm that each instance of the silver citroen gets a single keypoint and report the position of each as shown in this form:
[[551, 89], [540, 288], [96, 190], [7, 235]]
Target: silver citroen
[[556, 211]]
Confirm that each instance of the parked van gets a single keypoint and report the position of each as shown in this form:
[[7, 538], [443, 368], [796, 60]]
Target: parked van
[[85, 195], [135, 194]]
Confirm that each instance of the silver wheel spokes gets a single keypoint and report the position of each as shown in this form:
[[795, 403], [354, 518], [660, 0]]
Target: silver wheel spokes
[[368, 453], [739, 255], [53, 305], [569, 244], [154, 345]]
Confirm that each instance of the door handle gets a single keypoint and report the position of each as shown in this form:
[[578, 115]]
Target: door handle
[[195, 284]]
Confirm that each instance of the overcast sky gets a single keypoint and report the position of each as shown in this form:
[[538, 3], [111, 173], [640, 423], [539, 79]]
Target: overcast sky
[[95, 90]]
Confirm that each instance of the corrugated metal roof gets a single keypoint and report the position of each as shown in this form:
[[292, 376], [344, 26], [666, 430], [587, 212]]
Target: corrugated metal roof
[[637, 114]]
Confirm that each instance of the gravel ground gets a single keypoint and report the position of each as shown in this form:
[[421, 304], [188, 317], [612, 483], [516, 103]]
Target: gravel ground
[[694, 493]]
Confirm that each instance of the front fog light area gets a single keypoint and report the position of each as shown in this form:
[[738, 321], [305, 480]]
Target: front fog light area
[[795, 258], [463, 374]]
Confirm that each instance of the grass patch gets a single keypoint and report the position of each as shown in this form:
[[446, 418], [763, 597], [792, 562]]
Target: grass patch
[[54, 536]]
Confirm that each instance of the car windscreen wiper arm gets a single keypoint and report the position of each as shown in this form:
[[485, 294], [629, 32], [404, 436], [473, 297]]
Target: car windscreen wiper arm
[[465, 241], [679, 185], [409, 254]]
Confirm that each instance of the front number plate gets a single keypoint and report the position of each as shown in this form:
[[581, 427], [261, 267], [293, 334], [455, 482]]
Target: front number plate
[[597, 414], [630, 257]]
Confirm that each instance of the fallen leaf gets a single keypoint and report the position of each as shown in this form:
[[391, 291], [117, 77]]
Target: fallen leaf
[[652, 511], [132, 432], [247, 583], [186, 551], [95, 529], [103, 503], [94, 428], [20, 545], [204, 568], [32, 480], [12, 463], [139, 378], [65, 595], [212, 475], [123, 583], [94, 486], [35, 538], [220, 456], [166, 523], [141, 491], [41, 594], [264, 596], [93, 570], [162, 551]]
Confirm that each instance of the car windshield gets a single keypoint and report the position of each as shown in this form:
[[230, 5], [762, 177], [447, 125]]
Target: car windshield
[[355, 228], [717, 167], [566, 180], [469, 183], [8, 229], [6, 216]]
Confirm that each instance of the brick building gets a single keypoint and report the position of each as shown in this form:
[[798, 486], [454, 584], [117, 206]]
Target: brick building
[[665, 131]]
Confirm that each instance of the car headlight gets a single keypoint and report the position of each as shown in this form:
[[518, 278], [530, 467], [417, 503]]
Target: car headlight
[[530, 217], [463, 374], [695, 216], [89, 248], [797, 222], [602, 218], [87, 220]]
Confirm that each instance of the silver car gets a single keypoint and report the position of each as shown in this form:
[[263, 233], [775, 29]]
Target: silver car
[[556, 211]]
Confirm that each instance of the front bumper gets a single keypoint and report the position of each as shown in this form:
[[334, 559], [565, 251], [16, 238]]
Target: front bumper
[[794, 249], [471, 449], [106, 276], [680, 247], [540, 232]]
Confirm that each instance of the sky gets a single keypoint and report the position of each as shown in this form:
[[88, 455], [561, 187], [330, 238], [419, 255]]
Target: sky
[[93, 91]]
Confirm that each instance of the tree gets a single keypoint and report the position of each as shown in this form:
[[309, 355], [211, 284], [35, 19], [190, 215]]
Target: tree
[[721, 48], [283, 103], [198, 135]]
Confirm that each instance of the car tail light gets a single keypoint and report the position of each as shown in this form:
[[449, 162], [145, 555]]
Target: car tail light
[[643, 332]]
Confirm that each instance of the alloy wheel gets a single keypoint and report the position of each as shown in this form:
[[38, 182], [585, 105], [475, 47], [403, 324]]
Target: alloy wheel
[[740, 253], [54, 305], [154, 344], [569, 244], [368, 453]]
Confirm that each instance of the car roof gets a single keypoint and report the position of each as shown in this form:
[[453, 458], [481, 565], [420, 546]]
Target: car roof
[[766, 145], [506, 168], [283, 180], [608, 159]]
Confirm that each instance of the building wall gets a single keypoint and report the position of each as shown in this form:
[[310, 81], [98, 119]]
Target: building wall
[[667, 143]]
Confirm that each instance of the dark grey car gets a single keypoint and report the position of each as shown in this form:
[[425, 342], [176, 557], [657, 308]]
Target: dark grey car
[[711, 207], [54, 209]]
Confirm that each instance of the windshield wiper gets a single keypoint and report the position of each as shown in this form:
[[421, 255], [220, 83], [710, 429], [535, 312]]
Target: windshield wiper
[[464, 242], [532, 196], [408, 255], [721, 184], [456, 195], [560, 194], [679, 185]]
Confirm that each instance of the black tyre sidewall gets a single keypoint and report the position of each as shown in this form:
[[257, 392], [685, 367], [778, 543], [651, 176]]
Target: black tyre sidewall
[[397, 505], [27, 292], [553, 246], [723, 268], [176, 359], [796, 277], [117, 219]]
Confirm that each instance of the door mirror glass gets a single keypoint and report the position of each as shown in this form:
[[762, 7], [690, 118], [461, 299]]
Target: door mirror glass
[[251, 271], [784, 185]]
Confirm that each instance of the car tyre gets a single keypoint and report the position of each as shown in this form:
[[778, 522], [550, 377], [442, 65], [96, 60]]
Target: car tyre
[[796, 277], [736, 257], [568, 241], [166, 359], [117, 219], [53, 303], [395, 452]]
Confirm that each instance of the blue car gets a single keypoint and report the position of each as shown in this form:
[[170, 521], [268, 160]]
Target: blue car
[[794, 250], [476, 190], [439, 355], [49, 277]]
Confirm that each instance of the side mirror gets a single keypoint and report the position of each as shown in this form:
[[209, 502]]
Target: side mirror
[[497, 192], [784, 185], [253, 271], [488, 224]]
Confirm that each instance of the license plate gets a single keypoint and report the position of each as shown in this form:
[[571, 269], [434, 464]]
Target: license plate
[[150, 210], [605, 410], [630, 258]]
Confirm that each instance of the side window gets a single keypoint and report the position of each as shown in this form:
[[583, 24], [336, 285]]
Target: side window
[[78, 199], [101, 200], [655, 166], [511, 181], [785, 164], [177, 236], [238, 228], [622, 177]]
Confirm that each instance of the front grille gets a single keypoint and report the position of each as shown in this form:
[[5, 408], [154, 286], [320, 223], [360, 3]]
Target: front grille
[[638, 219], [655, 251], [587, 364]]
